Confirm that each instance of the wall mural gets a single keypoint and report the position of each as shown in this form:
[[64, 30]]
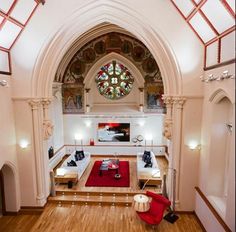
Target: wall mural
[[72, 98], [90, 53]]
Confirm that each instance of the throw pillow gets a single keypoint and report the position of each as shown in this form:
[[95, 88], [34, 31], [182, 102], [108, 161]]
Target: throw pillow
[[145, 154], [76, 156], [148, 158], [148, 165], [71, 163], [80, 154]]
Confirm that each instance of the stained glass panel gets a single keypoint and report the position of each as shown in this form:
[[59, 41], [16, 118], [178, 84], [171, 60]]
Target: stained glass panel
[[114, 81]]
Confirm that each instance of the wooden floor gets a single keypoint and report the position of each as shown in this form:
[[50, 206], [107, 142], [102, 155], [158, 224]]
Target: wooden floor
[[92, 219], [95, 218]]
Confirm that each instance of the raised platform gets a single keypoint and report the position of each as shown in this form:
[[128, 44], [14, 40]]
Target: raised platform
[[80, 194]]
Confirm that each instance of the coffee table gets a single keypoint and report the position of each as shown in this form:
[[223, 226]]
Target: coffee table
[[111, 164]]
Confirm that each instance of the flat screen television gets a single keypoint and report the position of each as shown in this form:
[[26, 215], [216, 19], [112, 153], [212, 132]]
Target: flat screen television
[[113, 132]]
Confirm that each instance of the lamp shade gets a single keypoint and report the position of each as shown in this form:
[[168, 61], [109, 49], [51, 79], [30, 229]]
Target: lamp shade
[[141, 203]]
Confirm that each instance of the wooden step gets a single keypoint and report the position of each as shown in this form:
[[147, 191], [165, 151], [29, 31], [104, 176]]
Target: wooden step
[[92, 199], [99, 193]]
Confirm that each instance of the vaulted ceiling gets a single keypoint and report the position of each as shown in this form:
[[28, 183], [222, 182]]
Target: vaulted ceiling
[[14, 16], [211, 20]]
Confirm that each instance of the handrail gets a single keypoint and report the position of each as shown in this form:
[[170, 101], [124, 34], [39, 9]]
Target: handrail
[[212, 209]]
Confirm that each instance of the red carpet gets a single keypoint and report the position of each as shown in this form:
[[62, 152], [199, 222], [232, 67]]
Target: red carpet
[[107, 179]]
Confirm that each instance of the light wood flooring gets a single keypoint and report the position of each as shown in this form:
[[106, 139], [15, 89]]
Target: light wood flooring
[[79, 218]]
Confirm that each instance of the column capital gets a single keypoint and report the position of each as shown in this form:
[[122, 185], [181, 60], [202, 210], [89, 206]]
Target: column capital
[[34, 103], [168, 100], [141, 89], [179, 102], [87, 90], [46, 102]]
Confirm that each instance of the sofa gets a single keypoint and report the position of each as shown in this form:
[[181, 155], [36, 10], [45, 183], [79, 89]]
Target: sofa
[[148, 175], [81, 164]]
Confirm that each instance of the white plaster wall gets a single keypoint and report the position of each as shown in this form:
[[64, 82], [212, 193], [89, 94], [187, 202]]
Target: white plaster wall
[[189, 161], [228, 86], [76, 124], [7, 139], [161, 15], [26, 162]]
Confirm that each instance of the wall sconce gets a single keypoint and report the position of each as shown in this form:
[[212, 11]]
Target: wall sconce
[[78, 136], [211, 77], [24, 144], [193, 145], [88, 123], [4, 83], [141, 123]]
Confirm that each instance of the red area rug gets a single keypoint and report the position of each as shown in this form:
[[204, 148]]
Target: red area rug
[[107, 179]]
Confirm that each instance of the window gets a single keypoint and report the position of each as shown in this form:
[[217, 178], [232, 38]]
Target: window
[[114, 81]]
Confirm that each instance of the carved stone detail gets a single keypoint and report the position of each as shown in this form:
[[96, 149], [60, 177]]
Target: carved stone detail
[[47, 129], [167, 129], [35, 104], [179, 102], [46, 102], [168, 100]]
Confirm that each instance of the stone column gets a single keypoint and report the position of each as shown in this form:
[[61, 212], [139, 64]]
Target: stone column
[[38, 155], [87, 103], [141, 99], [178, 103]]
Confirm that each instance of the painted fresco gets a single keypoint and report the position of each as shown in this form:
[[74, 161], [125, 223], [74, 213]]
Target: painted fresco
[[72, 99]]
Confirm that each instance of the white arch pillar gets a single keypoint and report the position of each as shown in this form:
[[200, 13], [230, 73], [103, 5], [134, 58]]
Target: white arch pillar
[[38, 150]]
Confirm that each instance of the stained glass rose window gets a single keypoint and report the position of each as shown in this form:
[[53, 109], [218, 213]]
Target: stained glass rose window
[[114, 81]]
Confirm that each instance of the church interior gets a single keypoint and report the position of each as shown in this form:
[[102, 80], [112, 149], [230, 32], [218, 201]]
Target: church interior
[[117, 115]]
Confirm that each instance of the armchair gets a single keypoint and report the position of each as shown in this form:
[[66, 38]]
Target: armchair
[[158, 205]]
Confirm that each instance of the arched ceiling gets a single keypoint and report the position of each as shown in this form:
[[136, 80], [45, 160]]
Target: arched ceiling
[[213, 22], [208, 18]]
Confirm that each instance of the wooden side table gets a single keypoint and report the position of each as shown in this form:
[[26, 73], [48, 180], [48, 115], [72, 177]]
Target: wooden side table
[[71, 178]]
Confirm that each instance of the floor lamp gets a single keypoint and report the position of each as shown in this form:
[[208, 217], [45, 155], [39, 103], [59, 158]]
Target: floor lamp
[[171, 216]]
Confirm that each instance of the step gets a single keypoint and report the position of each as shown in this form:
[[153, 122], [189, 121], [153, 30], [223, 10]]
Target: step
[[99, 193], [92, 199]]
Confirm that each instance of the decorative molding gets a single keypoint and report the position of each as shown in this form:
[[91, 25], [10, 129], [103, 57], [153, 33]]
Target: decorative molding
[[168, 129], [46, 102], [168, 100], [48, 128], [35, 103], [179, 102]]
